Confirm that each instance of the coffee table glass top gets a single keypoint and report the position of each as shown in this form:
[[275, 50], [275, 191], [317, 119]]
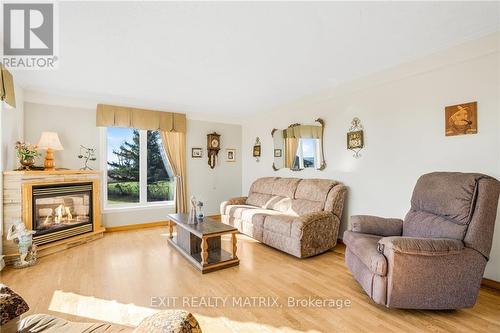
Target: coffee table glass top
[[201, 228]]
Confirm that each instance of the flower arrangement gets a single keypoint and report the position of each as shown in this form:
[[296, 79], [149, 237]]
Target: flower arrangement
[[26, 154]]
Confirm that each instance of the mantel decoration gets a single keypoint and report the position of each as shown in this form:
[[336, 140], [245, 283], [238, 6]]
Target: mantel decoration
[[87, 154], [461, 119], [213, 147], [27, 154], [24, 240], [355, 137], [50, 141], [256, 149]]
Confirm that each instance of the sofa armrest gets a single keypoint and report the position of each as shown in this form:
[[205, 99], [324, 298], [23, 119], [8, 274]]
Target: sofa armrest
[[420, 246], [375, 225], [314, 220], [309, 218], [317, 232], [232, 201]]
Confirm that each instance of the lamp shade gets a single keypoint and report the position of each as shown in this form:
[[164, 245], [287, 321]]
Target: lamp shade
[[50, 140]]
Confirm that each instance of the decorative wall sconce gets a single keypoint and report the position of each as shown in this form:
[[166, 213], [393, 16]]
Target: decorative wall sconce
[[256, 149], [213, 147], [355, 137]]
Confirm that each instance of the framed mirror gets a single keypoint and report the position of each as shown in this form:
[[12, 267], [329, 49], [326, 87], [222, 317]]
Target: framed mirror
[[299, 147]]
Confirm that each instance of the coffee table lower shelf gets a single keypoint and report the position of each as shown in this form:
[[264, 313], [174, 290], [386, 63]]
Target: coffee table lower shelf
[[217, 258]]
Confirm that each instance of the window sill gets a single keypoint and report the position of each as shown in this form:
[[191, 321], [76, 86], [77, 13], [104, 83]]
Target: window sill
[[129, 208]]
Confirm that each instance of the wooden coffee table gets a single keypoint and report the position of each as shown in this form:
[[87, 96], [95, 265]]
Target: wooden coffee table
[[200, 242]]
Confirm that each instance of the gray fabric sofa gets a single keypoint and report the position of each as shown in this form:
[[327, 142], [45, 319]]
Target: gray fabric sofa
[[298, 216], [435, 258]]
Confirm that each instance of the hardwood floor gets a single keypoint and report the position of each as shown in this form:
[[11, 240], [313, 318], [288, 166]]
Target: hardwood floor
[[122, 277]]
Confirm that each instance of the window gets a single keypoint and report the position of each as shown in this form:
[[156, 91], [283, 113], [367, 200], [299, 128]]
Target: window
[[308, 152], [138, 172]]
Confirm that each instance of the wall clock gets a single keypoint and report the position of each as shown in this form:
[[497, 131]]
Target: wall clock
[[213, 147]]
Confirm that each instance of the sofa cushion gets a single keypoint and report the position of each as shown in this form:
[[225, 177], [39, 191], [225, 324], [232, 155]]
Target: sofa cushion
[[263, 185], [279, 224], [314, 189], [364, 246], [258, 199], [12, 305], [257, 216], [285, 187], [281, 204], [46, 323], [423, 224], [303, 206], [169, 321], [450, 195], [237, 210]]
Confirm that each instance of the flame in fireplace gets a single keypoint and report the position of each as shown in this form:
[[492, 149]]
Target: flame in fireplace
[[62, 211], [59, 214], [47, 219], [68, 213]]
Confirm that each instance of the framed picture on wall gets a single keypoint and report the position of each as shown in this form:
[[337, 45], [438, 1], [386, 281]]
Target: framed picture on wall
[[461, 119], [196, 152], [355, 140], [277, 153], [256, 151], [231, 155]]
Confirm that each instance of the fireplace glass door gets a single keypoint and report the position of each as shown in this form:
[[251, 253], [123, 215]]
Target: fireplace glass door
[[62, 206]]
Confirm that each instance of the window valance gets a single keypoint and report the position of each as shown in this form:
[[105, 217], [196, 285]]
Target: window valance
[[7, 93], [304, 132], [120, 116]]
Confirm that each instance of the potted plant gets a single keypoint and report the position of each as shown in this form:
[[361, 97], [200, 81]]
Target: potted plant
[[26, 154]]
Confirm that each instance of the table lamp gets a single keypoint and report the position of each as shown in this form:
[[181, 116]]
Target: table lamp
[[49, 141]]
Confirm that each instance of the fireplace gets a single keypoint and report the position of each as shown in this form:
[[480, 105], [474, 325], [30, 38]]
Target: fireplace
[[61, 211], [42, 200]]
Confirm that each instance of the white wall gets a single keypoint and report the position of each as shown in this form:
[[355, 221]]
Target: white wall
[[75, 125], [402, 110], [11, 125], [12, 130], [212, 186]]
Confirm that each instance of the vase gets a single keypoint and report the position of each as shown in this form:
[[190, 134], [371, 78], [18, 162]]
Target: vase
[[27, 162]]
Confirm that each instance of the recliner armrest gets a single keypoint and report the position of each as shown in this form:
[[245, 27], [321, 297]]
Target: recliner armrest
[[420, 246], [375, 225], [232, 201]]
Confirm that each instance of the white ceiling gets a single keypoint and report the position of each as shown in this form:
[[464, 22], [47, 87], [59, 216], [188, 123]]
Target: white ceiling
[[235, 58]]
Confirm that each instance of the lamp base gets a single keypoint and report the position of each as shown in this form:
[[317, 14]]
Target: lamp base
[[49, 163]]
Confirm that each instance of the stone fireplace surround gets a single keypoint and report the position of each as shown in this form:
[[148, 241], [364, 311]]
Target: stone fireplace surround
[[17, 198]]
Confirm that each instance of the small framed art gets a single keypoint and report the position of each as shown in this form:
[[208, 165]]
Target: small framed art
[[196, 152], [231, 155]]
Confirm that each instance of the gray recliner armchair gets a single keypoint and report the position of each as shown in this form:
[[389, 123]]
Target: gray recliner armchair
[[435, 258]]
